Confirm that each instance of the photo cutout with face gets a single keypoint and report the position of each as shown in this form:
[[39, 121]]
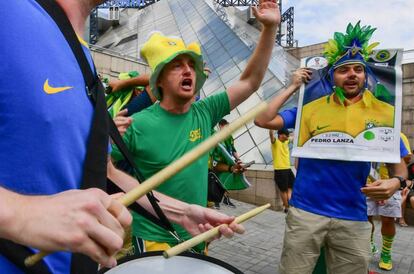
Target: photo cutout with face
[[362, 129]]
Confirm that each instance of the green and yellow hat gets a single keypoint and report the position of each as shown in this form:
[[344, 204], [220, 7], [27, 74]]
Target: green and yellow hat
[[159, 50], [350, 47], [353, 47]]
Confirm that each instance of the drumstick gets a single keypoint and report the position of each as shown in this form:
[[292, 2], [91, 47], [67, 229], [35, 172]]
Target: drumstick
[[166, 173], [210, 233]]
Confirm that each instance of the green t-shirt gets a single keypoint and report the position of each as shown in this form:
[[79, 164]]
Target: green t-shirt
[[229, 145], [156, 138]]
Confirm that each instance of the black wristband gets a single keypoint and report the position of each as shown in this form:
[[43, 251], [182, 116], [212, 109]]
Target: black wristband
[[403, 183], [229, 169]]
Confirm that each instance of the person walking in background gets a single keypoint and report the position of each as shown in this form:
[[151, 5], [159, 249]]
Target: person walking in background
[[388, 210], [229, 146], [229, 142], [219, 164], [283, 174]]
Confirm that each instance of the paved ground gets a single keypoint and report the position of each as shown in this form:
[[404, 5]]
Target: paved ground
[[259, 249]]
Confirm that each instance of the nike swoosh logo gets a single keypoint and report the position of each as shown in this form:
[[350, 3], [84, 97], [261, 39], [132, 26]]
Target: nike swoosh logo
[[320, 128], [52, 90]]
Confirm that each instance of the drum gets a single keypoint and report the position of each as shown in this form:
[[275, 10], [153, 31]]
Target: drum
[[155, 263]]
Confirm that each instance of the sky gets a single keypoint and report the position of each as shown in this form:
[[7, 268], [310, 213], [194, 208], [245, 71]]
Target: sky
[[317, 20]]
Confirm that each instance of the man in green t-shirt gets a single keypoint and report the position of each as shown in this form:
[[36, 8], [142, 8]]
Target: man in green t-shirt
[[229, 142], [167, 130]]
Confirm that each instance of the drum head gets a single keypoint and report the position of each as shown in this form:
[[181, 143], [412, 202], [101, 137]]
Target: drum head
[[155, 263]]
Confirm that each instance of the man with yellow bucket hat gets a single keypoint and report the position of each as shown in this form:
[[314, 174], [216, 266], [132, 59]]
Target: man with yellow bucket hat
[[165, 131]]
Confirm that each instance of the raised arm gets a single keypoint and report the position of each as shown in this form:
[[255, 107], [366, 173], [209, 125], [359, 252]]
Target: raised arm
[[268, 14], [270, 118], [117, 85]]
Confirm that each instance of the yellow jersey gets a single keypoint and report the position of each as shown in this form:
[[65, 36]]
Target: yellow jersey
[[281, 155], [326, 115]]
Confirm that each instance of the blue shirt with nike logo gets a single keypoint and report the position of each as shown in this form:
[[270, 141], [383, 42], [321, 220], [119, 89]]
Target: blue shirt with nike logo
[[330, 188], [45, 114]]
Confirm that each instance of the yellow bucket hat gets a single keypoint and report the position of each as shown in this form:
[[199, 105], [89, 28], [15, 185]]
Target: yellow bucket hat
[[159, 50]]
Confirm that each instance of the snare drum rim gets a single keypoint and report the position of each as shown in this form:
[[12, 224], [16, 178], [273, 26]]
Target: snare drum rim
[[184, 254]]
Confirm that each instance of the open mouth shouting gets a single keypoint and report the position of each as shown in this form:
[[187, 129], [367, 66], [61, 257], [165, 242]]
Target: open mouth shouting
[[187, 84], [351, 84]]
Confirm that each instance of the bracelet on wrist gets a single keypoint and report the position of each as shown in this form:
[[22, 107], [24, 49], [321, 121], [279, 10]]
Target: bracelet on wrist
[[403, 183]]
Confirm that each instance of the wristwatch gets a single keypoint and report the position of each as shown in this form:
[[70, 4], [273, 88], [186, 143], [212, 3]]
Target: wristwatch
[[403, 183]]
